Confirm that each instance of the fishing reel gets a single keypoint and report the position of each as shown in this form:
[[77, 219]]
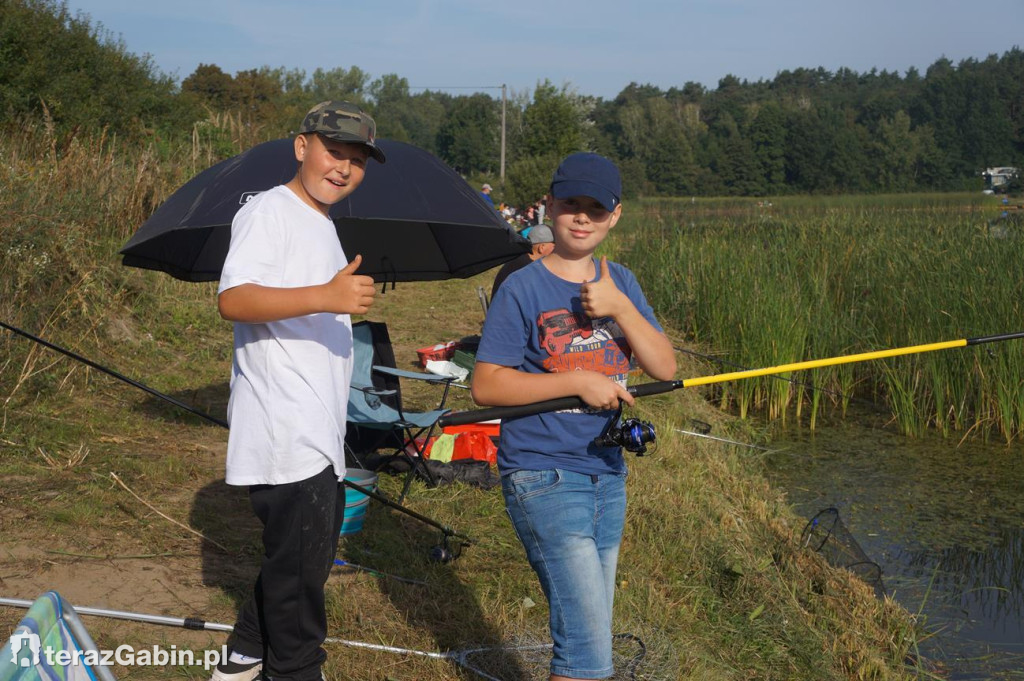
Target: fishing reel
[[633, 435], [447, 551]]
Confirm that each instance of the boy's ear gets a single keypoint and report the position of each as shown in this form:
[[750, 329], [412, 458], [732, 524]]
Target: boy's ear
[[301, 143], [616, 214]]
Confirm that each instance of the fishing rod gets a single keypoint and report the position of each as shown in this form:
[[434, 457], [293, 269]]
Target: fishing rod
[[724, 362], [111, 372], [445, 530], [655, 388], [792, 381]]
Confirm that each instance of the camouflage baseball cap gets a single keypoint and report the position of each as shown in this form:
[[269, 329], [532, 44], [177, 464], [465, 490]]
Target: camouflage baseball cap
[[343, 122]]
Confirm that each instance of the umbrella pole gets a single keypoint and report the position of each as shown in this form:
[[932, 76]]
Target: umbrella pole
[[448, 532]]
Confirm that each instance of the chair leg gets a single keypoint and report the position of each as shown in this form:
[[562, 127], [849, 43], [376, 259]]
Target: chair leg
[[419, 460], [408, 483]]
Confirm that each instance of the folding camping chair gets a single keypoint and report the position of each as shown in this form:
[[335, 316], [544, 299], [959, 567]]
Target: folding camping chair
[[376, 418], [51, 628]]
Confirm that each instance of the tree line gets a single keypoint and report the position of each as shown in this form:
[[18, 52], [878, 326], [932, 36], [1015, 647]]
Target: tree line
[[808, 130]]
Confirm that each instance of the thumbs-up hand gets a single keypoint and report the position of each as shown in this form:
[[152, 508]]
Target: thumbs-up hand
[[351, 293], [601, 297]]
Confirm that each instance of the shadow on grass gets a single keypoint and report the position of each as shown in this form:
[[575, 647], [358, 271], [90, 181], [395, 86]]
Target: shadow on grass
[[399, 547], [210, 400], [391, 543], [222, 513]]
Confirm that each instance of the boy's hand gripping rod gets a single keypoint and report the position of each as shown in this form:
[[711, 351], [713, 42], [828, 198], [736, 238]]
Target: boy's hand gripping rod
[[476, 415]]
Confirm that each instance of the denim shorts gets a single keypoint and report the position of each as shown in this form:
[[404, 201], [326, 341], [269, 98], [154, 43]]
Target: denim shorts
[[571, 525]]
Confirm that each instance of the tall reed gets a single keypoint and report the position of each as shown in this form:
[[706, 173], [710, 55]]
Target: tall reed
[[69, 204], [809, 279]]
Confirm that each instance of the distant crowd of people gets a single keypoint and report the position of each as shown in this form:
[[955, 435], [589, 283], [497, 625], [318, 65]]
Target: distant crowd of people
[[519, 217]]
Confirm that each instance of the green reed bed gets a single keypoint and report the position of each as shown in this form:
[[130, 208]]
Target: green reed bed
[[809, 278]]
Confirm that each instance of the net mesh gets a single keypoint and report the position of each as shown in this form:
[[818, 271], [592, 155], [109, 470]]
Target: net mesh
[[529, 660], [828, 535]]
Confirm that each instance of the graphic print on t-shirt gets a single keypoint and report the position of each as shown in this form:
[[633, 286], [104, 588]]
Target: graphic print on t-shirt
[[575, 342]]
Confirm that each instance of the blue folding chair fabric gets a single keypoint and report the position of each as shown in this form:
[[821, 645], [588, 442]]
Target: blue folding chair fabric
[[375, 403], [51, 626]]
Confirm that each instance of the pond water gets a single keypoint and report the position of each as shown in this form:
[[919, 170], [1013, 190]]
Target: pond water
[[944, 520]]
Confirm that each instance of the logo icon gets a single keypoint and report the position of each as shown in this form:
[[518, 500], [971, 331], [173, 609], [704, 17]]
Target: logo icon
[[18, 642], [246, 197]]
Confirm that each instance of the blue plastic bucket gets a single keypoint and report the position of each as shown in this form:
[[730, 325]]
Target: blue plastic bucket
[[356, 502]]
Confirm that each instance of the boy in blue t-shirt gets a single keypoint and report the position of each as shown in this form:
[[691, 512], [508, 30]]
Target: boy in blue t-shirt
[[567, 325]]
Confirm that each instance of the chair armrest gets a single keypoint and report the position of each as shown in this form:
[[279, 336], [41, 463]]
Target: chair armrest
[[414, 375], [369, 389]]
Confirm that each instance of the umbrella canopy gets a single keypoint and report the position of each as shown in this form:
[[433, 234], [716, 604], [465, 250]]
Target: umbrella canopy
[[412, 219]]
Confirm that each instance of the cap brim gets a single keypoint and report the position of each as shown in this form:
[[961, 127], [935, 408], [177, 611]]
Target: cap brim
[[570, 188], [374, 150]]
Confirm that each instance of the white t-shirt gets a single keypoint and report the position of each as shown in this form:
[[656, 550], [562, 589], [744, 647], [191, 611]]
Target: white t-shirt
[[290, 378]]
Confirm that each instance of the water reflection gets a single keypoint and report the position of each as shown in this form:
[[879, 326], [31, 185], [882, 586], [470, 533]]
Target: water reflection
[[945, 521]]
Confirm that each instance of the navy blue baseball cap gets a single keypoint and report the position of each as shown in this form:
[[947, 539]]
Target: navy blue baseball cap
[[588, 174]]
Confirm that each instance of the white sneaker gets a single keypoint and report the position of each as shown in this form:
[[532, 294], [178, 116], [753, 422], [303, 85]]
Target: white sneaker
[[234, 671]]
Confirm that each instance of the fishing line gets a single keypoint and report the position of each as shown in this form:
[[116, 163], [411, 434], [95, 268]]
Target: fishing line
[[703, 428], [446, 531], [344, 563], [722, 439]]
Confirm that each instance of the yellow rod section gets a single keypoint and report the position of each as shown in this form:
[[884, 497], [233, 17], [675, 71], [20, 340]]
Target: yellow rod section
[[817, 363]]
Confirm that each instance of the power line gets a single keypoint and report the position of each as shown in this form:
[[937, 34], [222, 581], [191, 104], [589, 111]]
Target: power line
[[456, 87]]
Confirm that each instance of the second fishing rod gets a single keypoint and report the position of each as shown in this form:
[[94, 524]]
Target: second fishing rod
[[449, 549]]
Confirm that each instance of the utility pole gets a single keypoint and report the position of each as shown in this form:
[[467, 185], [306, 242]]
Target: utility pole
[[504, 100]]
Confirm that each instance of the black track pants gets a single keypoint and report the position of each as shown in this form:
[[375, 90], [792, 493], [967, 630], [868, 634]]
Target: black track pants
[[284, 621]]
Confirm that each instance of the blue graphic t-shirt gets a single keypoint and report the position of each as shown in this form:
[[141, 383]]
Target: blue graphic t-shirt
[[536, 324]]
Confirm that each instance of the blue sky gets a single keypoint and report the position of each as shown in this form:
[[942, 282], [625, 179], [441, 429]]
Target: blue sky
[[597, 47]]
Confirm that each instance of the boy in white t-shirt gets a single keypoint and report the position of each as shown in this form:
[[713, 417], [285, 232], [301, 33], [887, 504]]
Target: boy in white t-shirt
[[289, 289]]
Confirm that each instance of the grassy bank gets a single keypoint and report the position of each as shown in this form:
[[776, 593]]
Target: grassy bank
[[768, 284], [712, 578]]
